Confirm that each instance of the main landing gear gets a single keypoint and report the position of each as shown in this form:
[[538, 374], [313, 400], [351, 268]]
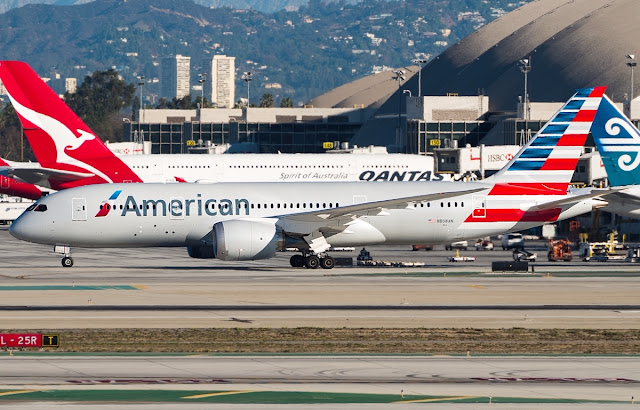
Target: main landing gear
[[312, 261], [67, 262]]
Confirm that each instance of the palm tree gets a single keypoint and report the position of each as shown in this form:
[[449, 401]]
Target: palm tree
[[286, 102], [266, 100]]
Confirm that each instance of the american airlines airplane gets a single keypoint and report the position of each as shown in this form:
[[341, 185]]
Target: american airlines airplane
[[247, 221], [70, 155], [618, 142]]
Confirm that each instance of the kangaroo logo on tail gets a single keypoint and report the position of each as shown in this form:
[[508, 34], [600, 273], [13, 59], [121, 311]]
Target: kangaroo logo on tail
[[62, 137], [49, 125]]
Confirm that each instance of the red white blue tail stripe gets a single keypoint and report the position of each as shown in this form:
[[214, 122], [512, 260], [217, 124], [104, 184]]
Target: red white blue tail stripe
[[542, 169], [546, 164]]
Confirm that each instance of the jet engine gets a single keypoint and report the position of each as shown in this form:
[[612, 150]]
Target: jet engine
[[244, 239]]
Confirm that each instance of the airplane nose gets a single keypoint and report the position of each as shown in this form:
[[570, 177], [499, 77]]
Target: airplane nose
[[21, 228]]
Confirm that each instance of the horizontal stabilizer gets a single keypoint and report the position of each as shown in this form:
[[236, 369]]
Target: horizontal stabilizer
[[571, 199]]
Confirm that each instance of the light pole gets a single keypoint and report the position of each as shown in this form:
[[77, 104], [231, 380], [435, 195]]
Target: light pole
[[631, 64], [525, 67], [399, 76], [202, 79], [421, 62], [141, 86], [246, 76]]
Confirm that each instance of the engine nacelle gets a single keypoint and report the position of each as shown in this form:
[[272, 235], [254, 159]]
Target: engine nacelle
[[247, 239]]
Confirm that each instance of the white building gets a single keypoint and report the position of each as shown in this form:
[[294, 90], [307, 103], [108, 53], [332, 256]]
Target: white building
[[70, 85], [176, 79], [220, 86]]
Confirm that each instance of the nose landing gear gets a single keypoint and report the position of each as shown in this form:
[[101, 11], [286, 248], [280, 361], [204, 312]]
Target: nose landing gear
[[67, 262]]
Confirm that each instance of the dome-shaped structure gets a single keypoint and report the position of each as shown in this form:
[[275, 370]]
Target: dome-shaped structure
[[572, 44]]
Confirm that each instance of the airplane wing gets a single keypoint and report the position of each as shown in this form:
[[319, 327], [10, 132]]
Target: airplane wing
[[332, 217], [40, 176], [621, 194]]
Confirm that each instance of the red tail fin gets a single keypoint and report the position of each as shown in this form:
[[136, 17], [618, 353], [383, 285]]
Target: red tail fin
[[58, 138]]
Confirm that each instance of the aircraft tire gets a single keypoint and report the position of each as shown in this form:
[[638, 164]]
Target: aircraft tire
[[297, 261], [312, 262], [327, 262], [67, 262]]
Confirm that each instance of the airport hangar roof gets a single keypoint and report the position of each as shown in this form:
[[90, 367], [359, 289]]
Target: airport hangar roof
[[572, 44]]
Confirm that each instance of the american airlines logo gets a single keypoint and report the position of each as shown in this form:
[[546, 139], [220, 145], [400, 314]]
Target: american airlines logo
[[175, 207]]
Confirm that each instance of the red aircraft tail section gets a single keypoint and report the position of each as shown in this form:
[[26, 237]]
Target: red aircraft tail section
[[59, 138]]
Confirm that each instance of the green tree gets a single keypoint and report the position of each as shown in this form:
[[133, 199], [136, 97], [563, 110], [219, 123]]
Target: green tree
[[11, 135], [204, 103], [266, 101], [135, 108], [99, 100], [163, 103], [286, 102], [184, 103]]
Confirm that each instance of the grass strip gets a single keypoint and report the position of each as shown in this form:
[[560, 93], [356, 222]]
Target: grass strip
[[262, 397]]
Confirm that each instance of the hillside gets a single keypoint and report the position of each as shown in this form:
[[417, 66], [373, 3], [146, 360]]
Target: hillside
[[297, 54], [266, 6]]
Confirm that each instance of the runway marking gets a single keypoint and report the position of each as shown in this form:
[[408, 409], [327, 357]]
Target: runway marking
[[8, 393], [438, 399], [222, 393], [476, 286], [141, 287]]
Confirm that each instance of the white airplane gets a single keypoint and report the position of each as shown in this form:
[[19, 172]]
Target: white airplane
[[247, 221], [618, 142], [70, 155]]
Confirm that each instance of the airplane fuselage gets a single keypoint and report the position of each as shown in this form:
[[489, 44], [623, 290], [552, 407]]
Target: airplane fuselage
[[150, 215], [284, 167]]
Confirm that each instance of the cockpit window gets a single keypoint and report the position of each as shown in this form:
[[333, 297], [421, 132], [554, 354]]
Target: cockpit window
[[31, 207], [40, 208]]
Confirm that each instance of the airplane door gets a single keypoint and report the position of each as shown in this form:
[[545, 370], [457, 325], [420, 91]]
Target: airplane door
[[479, 206], [359, 199], [79, 211]]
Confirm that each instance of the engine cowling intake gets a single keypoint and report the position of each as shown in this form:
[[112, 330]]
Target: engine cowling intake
[[241, 239]]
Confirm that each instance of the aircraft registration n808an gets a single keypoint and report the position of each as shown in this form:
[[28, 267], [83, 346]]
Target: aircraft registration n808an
[[246, 221]]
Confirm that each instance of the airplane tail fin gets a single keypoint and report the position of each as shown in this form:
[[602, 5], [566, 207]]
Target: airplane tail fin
[[618, 142], [58, 137], [545, 165]]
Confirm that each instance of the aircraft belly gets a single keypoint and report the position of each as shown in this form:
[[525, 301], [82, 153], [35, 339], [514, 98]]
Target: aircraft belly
[[129, 233], [416, 226], [358, 232]]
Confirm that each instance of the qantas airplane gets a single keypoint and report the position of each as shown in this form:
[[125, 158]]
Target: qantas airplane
[[247, 221], [618, 142], [14, 187], [70, 155]]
